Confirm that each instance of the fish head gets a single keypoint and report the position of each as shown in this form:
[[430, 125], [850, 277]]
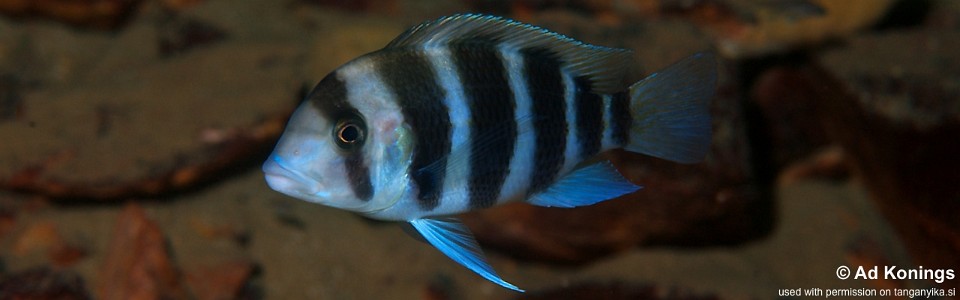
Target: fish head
[[344, 157]]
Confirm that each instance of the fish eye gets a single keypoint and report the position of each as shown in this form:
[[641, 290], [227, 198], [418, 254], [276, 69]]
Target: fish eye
[[350, 132]]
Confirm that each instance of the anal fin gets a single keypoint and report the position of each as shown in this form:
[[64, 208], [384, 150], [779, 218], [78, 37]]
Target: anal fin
[[585, 186], [456, 241]]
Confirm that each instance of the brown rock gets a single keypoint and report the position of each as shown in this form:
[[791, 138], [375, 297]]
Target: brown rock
[[783, 101], [889, 100], [67, 255], [8, 220], [103, 14], [221, 282], [787, 131], [894, 109], [39, 236], [167, 125], [44, 237], [137, 264], [829, 162], [754, 28], [42, 284]]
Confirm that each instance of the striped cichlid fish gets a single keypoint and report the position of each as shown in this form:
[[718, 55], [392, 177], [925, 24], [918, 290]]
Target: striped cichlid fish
[[471, 111]]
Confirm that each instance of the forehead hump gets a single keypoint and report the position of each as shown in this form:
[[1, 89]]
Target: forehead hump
[[366, 88], [329, 97]]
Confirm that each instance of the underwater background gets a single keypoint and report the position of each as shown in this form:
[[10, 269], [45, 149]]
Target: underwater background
[[132, 133]]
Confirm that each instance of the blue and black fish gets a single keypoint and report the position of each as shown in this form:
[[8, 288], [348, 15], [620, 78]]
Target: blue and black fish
[[471, 111]]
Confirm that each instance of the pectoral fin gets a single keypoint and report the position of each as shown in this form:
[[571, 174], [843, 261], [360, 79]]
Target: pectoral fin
[[456, 241], [585, 186]]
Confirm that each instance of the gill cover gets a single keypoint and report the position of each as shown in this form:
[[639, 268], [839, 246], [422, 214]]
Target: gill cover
[[331, 154]]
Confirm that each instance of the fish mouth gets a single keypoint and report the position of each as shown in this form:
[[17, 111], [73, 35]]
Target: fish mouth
[[289, 181]]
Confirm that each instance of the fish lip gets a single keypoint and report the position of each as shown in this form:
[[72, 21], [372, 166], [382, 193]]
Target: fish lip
[[270, 166], [275, 161], [274, 167], [289, 181]]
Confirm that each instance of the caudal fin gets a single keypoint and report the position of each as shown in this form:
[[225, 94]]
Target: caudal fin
[[671, 110]]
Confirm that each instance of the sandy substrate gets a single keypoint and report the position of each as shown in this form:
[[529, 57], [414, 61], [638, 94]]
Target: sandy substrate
[[306, 251]]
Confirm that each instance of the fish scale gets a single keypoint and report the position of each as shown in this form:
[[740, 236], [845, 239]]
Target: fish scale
[[471, 111], [420, 98], [545, 85], [491, 103], [590, 127], [620, 119]]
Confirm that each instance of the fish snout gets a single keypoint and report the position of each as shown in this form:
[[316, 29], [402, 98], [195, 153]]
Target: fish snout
[[279, 178], [283, 179]]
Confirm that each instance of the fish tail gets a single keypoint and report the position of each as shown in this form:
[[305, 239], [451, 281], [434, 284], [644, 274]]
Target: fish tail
[[670, 110]]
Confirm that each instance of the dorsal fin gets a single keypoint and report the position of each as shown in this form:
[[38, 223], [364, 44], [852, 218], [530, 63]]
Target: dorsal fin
[[603, 66]]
